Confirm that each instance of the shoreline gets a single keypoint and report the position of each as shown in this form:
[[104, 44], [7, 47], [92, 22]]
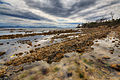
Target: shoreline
[[55, 52], [34, 34]]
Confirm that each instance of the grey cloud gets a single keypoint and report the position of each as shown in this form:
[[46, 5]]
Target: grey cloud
[[98, 10], [1, 2], [58, 9], [80, 9], [16, 20], [98, 17], [21, 14], [109, 4], [4, 8], [94, 17]]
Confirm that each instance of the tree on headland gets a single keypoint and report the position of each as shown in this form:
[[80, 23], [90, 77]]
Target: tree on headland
[[108, 23], [102, 22], [112, 15]]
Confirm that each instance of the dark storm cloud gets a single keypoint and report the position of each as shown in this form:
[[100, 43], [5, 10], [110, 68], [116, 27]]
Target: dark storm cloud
[[21, 14], [58, 9], [72, 23], [4, 8], [109, 4], [95, 17], [97, 9], [65, 12], [1, 2], [16, 19]]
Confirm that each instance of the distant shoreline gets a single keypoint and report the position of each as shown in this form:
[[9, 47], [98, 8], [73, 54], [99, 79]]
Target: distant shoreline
[[31, 33]]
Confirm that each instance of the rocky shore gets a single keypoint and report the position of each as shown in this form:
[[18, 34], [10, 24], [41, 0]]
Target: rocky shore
[[83, 54], [34, 34]]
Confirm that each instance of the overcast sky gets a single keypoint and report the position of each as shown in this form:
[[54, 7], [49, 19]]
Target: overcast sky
[[59, 13]]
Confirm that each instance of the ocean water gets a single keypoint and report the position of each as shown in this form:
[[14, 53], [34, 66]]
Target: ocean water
[[13, 31]]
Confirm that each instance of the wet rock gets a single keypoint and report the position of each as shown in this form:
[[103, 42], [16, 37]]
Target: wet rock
[[1, 43], [80, 50], [35, 45], [31, 51], [116, 46], [115, 66], [7, 42], [36, 41], [96, 41], [19, 46], [19, 54], [116, 40], [106, 57], [19, 69], [97, 44], [101, 61], [26, 52], [30, 43], [113, 41], [44, 71], [12, 44], [4, 77], [2, 53], [25, 42], [66, 56], [112, 50], [39, 44], [3, 71], [69, 74]]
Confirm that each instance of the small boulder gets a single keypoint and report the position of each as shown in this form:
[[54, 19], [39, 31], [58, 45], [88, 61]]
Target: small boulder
[[106, 57]]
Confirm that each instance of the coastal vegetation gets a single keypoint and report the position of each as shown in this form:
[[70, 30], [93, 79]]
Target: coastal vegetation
[[102, 22]]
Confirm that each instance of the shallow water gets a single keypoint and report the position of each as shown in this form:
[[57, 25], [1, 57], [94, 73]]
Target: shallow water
[[12, 46], [9, 33], [13, 31]]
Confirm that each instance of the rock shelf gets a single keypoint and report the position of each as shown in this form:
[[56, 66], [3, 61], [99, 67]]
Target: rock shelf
[[87, 54]]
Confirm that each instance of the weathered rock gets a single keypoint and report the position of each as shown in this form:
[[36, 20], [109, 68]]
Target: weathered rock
[[50, 53], [106, 57], [2, 53], [1, 43], [19, 54], [115, 66]]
